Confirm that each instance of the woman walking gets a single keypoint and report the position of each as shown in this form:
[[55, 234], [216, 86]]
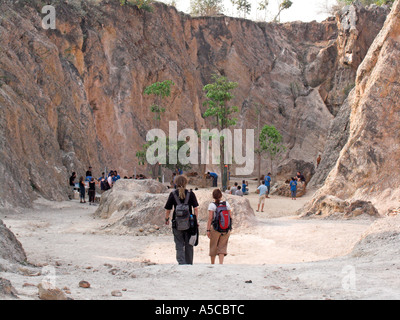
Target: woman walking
[[184, 203], [215, 228]]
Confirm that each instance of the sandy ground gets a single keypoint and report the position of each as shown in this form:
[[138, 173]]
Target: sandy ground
[[281, 258]]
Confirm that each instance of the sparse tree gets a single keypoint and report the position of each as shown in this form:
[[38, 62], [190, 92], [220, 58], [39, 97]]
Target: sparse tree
[[242, 6], [284, 4], [263, 6], [219, 95], [206, 7], [271, 142], [160, 90]]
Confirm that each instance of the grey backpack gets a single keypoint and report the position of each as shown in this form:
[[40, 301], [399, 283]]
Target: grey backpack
[[182, 213]]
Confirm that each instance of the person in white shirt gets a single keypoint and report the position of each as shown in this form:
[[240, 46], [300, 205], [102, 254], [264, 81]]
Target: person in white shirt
[[262, 190], [110, 180], [218, 240]]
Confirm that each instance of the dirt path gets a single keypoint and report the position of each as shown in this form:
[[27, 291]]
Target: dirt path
[[277, 253]]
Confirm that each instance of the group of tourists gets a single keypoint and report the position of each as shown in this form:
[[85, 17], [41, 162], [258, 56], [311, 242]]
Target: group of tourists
[[87, 184], [238, 190], [299, 178], [185, 226]]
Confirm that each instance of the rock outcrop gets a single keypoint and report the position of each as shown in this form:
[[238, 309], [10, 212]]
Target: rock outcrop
[[358, 26], [11, 254], [366, 168], [7, 291], [10, 248], [130, 208]]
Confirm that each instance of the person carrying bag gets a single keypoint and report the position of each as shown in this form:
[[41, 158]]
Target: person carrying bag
[[184, 220]]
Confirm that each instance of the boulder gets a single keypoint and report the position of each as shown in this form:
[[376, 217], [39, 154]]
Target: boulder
[[48, 291], [283, 189], [332, 207], [10, 248], [130, 209], [289, 169], [7, 291]]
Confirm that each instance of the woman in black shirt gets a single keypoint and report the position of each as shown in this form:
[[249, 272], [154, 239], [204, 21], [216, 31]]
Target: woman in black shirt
[[184, 250], [92, 191]]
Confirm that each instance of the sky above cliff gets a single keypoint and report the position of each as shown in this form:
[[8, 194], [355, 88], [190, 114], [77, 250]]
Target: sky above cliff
[[303, 10]]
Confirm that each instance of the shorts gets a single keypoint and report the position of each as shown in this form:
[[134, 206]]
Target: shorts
[[218, 243], [261, 199]]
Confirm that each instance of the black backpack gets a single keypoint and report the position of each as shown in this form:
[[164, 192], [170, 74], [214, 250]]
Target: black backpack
[[182, 213], [105, 185]]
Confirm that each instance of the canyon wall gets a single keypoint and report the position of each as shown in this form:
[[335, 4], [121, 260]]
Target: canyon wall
[[367, 167], [73, 97]]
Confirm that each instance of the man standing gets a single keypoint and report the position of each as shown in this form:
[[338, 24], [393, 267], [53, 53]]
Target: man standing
[[267, 181], [262, 191]]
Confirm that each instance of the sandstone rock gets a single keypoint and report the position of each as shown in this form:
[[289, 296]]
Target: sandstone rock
[[147, 210], [283, 189], [243, 215], [84, 284], [116, 293], [333, 207], [365, 168], [10, 248], [7, 291], [49, 292], [393, 212], [352, 45], [289, 169]]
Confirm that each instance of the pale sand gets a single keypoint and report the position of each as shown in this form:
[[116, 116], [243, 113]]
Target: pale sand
[[284, 257]]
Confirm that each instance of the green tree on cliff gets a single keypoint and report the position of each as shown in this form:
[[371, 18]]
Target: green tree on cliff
[[206, 7], [141, 4], [160, 90], [271, 143], [219, 94], [283, 5], [242, 6]]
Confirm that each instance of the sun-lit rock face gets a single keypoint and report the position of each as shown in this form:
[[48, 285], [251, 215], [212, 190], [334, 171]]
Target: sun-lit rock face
[[73, 97], [367, 166]]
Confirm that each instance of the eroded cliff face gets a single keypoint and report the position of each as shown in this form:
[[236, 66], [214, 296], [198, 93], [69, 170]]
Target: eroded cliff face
[[366, 170], [73, 96], [358, 26]]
